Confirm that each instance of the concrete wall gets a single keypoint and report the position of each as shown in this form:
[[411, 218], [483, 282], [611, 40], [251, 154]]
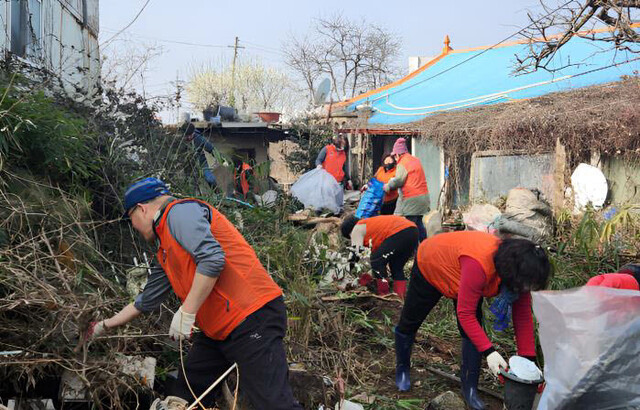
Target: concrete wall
[[432, 159], [623, 177], [494, 173], [229, 145], [279, 169], [67, 43]]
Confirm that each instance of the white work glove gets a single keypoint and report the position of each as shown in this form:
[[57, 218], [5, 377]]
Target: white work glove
[[495, 362], [319, 166], [96, 329], [181, 325], [386, 188]]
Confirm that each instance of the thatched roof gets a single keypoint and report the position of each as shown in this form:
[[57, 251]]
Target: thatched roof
[[604, 118]]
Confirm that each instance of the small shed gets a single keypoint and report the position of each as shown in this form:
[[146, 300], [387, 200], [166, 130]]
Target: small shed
[[254, 142]]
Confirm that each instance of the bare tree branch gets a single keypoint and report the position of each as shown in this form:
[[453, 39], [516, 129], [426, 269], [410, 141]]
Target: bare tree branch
[[356, 55], [577, 18]]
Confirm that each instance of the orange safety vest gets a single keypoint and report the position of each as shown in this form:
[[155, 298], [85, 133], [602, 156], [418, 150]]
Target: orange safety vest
[[438, 259], [382, 227], [416, 183], [244, 181], [384, 176], [334, 162], [243, 286]]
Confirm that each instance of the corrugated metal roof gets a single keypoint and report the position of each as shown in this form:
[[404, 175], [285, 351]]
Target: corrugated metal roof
[[467, 78]]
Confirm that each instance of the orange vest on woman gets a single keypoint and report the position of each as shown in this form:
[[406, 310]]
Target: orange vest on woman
[[243, 286], [381, 227], [438, 259], [416, 182], [384, 176], [334, 162]]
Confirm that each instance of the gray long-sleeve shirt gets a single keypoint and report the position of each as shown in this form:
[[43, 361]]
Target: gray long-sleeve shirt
[[188, 223], [322, 155]]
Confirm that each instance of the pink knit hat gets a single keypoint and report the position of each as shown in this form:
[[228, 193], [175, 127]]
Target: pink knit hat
[[400, 147]]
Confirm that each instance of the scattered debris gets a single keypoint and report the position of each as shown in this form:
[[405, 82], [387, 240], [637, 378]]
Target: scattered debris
[[527, 215], [364, 398], [481, 217], [348, 405], [433, 222], [447, 401]]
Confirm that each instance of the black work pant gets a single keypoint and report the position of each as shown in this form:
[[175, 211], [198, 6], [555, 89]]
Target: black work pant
[[256, 346], [417, 219], [394, 252], [421, 297], [388, 208]]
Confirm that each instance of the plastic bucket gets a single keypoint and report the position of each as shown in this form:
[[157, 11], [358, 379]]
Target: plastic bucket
[[519, 394]]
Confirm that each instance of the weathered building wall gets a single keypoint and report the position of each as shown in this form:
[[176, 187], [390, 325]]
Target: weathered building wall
[[230, 146], [623, 177], [432, 159], [58, 35], [279, 169], [494, 173]]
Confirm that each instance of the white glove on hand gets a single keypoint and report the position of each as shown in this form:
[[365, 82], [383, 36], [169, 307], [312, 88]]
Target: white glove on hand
[[96, 329], [319, 166], [495, 362], [182, 325], [386, 188]]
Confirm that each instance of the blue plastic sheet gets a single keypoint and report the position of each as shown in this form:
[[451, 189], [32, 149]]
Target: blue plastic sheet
[[371, 200]]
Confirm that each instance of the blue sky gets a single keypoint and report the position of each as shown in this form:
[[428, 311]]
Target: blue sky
[[263, 26]]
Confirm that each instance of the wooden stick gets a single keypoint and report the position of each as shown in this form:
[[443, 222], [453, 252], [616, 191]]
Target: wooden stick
[[457, 380], [221, 378]]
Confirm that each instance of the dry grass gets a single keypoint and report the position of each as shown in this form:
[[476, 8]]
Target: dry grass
[[604, 118]]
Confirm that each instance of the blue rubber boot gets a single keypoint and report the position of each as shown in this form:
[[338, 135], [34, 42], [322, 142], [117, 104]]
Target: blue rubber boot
[[404, 343], [469, 375]]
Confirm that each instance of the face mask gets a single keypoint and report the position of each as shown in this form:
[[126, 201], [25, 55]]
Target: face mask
[[388, 167]]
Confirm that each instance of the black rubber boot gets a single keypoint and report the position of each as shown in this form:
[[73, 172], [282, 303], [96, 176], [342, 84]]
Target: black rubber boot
[[404, 343], [469, 375]]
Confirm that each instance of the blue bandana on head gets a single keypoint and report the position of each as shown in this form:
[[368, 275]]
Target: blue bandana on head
[[501, 308]]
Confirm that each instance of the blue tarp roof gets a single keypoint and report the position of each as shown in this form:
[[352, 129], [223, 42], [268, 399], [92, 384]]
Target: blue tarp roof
[[487, 77]]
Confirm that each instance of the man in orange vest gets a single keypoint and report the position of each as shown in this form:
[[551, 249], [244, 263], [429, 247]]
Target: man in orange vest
[[333, 159], [223, 289], [413, 202], [468, 266]]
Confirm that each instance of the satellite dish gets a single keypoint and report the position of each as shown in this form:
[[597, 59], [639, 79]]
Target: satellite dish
[[322, 92]]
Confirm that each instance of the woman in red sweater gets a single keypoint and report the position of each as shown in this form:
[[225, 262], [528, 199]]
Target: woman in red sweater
[[466, 267]]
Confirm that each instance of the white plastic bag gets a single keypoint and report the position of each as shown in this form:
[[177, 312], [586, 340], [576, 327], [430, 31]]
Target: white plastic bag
[[589, 186], [590, 340], [318, 189]]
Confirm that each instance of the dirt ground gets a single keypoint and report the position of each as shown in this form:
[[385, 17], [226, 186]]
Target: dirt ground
[[429, 351]]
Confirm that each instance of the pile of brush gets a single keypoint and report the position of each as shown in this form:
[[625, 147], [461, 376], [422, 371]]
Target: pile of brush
[[55, 277]]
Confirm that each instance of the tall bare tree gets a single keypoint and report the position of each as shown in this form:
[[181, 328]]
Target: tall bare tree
[[355, 55], [577, 18]]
